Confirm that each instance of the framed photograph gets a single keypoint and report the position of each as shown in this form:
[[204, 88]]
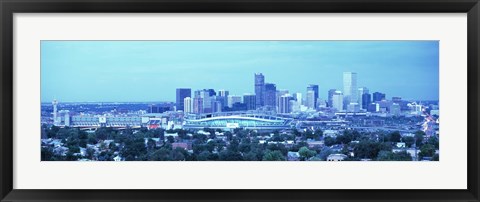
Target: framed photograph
[[239, 101]]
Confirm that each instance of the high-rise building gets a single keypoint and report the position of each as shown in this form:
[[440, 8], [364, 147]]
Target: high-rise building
[[373, 107], [197, 105], [310, 99], [278, 96], [395, 109], [377, 96], [188, 105], [331, 92], [337, 100], [366, 100], [249, 100], [284, 104], [396, 99], [270, 95], [361, 91], [353, 107], [350, 90], [216, 106], [314, 88], [55, 120], [259, 90], [182, 93], [223, 97], [232, 99]]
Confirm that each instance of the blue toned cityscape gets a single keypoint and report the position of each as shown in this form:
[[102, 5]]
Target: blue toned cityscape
[[240, 101]]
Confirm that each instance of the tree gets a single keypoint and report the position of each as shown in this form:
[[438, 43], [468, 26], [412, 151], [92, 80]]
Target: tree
[[90, 153], [251, 156], [310, 135], [426, 150], [162, 154], [306, 153], [273, 156], [369, 149], [329, 141], [395, 137], [179, 154], [228, 155], [392, 156], [433, 141], [204, 156], [318, 133], [171, 139], [419, 137], [409, 141]]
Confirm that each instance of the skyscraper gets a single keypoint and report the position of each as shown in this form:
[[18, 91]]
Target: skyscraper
[[350, 93], [330, 97], [188, 105], [223, 97], [337, 100], [314, 88], [361, 91], [197, 105], [182, 93], [278, 95], [284, 104], [270, 95], [366, 100], [310, 99], [55, 120], [259, 90], [232, 99], [249, 100], [377, 96]]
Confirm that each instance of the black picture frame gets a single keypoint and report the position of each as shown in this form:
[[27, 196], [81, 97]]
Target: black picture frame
[[9, 7]]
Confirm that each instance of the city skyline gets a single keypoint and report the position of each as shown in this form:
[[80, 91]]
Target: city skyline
[[151, 76]]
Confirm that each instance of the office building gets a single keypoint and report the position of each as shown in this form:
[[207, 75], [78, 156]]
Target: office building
[[353, 107], [361, 91], [223, 97], [182, 93], [395, 109], [331, 92], [284, 104], [350, 90], [366, 100], [270, 95], [377, 96], [198, 105], [188, 105], [259, 90], [310, 99], [232, 99], [337, 100], [314, 88], [249, 100]]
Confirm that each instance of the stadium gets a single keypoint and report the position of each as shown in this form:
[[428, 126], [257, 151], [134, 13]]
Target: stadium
[[232, 121]]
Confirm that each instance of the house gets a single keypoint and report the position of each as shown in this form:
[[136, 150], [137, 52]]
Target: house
[[182, 145], [313, 144], [293, 156], [400, 145], [336, 157], [117, 158]]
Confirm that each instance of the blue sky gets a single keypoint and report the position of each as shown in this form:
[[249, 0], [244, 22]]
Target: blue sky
[[136, 71]]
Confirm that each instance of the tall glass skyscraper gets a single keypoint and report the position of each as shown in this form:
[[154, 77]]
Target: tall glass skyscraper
[[350, 90], [259, 90], [182, 93], [270, 95], [249, 101], [361, 91], [313, 88]]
